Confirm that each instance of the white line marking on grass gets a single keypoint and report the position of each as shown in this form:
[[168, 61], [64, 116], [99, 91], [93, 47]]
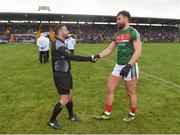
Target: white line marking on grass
[[161, 80], [152, 77]]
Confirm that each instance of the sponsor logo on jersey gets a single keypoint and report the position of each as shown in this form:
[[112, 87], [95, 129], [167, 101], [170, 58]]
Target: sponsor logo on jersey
[[123, 37], [122, 40]]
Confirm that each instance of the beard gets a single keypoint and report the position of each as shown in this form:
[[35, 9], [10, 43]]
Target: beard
[[121, 25], [65, 36]]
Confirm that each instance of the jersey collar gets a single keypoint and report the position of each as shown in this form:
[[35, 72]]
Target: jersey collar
[[60, 40]]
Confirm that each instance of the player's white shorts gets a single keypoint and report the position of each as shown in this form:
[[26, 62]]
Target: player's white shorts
[[133, 74]]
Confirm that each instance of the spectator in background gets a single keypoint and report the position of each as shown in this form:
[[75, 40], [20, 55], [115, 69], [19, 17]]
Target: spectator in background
[[51, 34], [70, 42], [43, 44], [88, 33], [11, 41]]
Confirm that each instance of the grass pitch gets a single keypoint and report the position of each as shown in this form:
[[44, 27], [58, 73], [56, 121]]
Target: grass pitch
[[28, 94]]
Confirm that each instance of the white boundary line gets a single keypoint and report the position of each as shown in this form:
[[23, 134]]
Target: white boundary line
[[152, 77]]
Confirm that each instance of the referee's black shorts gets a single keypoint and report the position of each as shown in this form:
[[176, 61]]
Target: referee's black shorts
[[63, 82]]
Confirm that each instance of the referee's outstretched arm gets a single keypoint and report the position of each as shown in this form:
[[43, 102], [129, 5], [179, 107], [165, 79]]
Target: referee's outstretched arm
[[69, 55]]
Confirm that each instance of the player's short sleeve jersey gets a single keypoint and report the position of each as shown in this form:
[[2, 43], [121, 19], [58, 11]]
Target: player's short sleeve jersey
[[124, 41]]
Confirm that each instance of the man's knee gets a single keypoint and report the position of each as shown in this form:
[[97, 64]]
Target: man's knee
[[110, 89], [64, 100], [131, 93]]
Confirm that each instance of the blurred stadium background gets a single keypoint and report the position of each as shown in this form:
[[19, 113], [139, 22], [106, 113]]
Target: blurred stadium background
[[26, 87], [92, 23]]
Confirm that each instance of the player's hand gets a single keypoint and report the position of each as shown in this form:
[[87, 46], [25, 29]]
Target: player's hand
[[96, 57], [93, 59], [125, 70]]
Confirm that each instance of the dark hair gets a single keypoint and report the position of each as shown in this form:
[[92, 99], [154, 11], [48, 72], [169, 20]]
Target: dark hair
[[124, 13], [58, 27]]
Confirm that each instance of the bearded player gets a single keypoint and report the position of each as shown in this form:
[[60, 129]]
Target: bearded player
[[129, 47]]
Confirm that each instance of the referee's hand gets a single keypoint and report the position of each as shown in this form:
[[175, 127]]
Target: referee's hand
[[93, 60], [125, 70], [95, 57]]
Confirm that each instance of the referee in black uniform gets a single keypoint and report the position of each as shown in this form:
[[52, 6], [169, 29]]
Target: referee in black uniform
[[63, 80]]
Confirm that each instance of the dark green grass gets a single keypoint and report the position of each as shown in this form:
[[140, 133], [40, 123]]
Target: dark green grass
[[28, 95]]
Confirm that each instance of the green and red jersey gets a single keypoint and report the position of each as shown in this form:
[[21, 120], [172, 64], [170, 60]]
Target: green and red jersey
[[124, 40]]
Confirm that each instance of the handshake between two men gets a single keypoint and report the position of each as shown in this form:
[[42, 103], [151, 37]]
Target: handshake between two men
[[95, 58], [125, 70]]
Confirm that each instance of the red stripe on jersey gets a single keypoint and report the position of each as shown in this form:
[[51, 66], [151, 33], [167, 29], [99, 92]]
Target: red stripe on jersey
[[123, 37]]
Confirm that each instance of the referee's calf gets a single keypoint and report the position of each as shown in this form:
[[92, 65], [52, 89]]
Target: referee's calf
[[63, 80]]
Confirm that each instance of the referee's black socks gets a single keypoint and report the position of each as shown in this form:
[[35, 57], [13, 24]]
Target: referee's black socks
[[69, 107], [57, 110]]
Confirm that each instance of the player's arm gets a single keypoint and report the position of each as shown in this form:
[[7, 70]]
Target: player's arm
[[68, 55], [137, 53], [137, 47], [106, 52]]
